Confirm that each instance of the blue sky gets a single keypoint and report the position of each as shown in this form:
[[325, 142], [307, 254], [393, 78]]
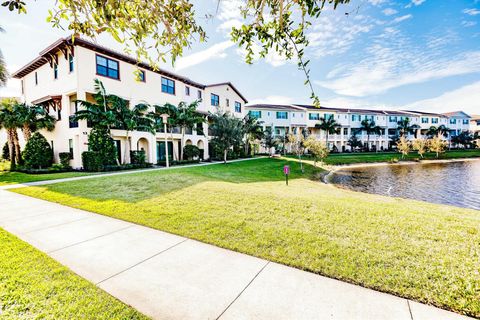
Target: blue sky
[[422, 54]]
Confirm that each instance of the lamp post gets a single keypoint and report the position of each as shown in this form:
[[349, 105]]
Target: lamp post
[[165, 120]]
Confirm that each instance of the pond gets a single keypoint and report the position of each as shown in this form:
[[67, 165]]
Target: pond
[[453, 183]]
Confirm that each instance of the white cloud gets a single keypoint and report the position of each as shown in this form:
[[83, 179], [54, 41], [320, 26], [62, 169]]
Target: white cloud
[[471, 12], [376, 2], [214, 52], [389, 12], [402, 18], [468, 24], [465, 98], [415, 2], [273, 100]]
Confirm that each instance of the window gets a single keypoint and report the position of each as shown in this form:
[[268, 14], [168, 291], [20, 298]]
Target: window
[[187, 90], [293, 114], [107, 67], [328, 116], [255, 114], [36, 78], [228, 102], [282, 115], [70, 147], [434, 120], [355, 117], [199, 94], [238, 106], [314, 116], [55, 71], [141, 76], [70, 63], [345, 131], [370, 118], [21, 84], [424, 120], [392, 119], [59, 114], [453, 121], [465, 121], [168, 86], [214, 100]]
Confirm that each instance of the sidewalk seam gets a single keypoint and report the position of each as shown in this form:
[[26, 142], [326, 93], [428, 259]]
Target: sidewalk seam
[[409, 309], [138, 263], [83, 241], [238, 296]]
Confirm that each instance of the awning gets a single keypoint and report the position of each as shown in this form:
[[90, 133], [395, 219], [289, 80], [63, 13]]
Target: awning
[[54, 102]]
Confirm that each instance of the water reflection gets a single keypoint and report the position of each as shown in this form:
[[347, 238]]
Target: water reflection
[[455, 183]]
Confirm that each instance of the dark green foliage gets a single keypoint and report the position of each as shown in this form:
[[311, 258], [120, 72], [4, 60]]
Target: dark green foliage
[[354, 142], [37, 154], [5, 152], [138, 157], [101, 142], [190, 152], [65, 158], [91, 161]]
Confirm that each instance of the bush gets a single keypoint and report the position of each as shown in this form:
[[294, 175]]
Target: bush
[[5, 152], [65, 158], [37, 154], [100, 141], [138, 157], [190, 151], [178, 163], [92, 161]]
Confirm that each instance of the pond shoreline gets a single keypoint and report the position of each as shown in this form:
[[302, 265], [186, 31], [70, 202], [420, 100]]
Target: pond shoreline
[[330, 170]]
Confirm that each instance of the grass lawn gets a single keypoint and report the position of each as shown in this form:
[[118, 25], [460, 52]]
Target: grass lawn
[[427, 252], [7, 177], [368, 157], [34, 286]]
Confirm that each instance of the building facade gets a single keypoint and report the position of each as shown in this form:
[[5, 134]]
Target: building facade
[[283, 119], [65, 72]]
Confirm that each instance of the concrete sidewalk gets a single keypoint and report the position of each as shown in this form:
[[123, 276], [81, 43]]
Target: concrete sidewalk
[[170, 277]]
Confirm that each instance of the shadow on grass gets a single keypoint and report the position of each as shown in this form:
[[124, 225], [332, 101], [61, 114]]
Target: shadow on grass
[[147, 185]]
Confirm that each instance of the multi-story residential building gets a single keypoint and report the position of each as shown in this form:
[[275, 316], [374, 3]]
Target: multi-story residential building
[[475, 123], [65, 71], [283, 119]]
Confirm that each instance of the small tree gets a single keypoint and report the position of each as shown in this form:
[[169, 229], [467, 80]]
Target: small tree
[[5, 152], [354, 142], [37, 154], [437, 145], [190, 151], [227, 132], [298, 147], [269, 140], [421, 146], [403, 146], [100, 141], [318, 149]]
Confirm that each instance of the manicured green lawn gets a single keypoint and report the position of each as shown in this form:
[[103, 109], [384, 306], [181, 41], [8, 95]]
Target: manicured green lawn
[[34, 286], [7, 177], [368, 157], [416, 250]]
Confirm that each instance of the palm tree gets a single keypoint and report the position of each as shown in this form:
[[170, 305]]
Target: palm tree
[[33, 118], [440, 130], [9, 121], [227, 132], [130, 119], [3, 68], [404, 127], [330, 126], [187, 118], [253, 131], [370, 127], [100, 114], [465, 138], [172, 112]]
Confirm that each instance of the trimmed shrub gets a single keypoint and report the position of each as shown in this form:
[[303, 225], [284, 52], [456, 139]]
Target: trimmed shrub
[[138, 157], [92, 161], [65, 158], [5, 152], [100, 141], [37, 154], [190, 151]]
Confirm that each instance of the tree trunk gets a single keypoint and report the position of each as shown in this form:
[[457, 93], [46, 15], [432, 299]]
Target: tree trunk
[[174, 154], [11, 148], [17, 145], [225, 152], [368, 142], [182, 143], [27, 132], [129, 143]]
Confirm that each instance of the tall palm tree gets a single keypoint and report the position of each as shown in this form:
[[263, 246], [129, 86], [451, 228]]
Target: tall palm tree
[[370, 127], [188, 117], [172, 112], [9, 121], [253, 131], [33, 118], [130, 119], [330, 126], [440, 130], [3, 68], [404, 127]]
